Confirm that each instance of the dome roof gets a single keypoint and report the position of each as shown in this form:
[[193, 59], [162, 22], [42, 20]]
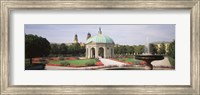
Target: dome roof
[[100, 38]]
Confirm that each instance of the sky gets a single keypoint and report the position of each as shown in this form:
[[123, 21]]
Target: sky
[[124, 34]]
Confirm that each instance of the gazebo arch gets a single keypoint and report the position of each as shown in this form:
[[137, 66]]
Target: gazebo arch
[[92, 53], [101, 52], [99, 45]]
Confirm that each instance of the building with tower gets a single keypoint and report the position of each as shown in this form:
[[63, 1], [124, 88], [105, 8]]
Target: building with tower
[[76, 39]]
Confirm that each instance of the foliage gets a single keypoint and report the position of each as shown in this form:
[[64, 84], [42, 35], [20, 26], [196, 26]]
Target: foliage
[[171, 48], [61, 58], [162, 49], [139, 49], [97, 60], [172, 61], [126, 49], [55, 49], [67, 50], [132, 60], [153, 49], [63, 49], [36, 46], [43, 61], [65, 63]]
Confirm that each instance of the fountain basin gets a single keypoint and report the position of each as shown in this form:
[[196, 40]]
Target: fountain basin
[[148, 59]]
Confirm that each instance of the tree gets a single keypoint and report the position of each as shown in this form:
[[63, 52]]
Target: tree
[[63, 49], [55, 49], [171, 48], [116, 50], [162, 49], [153, 49], [36, 46], [139, 49]]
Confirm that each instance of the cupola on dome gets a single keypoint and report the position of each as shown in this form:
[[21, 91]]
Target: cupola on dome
[[100, 38]]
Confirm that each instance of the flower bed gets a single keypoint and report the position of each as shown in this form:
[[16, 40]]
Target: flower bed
[[130, 61], [50, 64], [99, 64]]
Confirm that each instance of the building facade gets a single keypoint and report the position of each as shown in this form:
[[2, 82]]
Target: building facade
[[159, 44]]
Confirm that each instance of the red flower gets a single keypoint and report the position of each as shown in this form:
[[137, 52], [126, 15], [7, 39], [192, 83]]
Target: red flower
[[142, 62], [99, 64]]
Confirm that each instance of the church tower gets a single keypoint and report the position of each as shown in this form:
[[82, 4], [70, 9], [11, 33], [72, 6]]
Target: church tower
[[88, 35], [76, 39]]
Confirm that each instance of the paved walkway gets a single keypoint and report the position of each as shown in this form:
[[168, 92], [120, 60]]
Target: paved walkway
[[109, 62], [164, 62], [72, 68]]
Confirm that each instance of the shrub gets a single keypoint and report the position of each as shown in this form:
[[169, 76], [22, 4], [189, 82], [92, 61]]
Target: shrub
[[43, 61], [137, 62], [97, 60], [61, 58], [171, 61], [65, 63]]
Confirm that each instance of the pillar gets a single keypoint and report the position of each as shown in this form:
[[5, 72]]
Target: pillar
[[86, 55], [105, 51], [96, 52]]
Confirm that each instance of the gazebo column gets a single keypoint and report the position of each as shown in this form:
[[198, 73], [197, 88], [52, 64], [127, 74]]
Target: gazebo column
[[86, 53], [96, 52], [105, 51], [89, 52]]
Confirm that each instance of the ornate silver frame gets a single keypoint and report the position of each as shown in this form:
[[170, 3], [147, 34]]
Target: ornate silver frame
[[8, 5]]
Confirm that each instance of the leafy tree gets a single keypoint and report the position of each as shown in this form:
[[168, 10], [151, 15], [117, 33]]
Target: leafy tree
[[116, 50], [162, 49], [55, 49], [128, 49], [36, 46], [63, 49], [139, 49], [153, 49], [171, 48]]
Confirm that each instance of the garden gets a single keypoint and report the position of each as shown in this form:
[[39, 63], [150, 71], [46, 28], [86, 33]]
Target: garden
[[131, 61], [72, 62]]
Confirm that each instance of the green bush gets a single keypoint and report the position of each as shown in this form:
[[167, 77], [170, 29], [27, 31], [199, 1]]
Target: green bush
[[61, 58], [65, 63], [97, 60], [137, 62], [43, 61], [171, 61], [90, 63]]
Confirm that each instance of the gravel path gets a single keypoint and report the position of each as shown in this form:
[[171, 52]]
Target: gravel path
[[164, 62], [108, 62], [72, 68]]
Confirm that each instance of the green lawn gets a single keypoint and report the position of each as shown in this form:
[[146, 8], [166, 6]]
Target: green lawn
[[135, 61], [83, 62]]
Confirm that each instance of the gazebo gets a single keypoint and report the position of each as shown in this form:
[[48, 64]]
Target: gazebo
[[99, 46]]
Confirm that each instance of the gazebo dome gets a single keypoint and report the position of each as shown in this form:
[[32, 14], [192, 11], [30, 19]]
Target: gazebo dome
[[100, 38], [103, 46]]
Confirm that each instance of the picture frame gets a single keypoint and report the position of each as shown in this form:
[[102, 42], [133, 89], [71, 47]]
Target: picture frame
[[8, 5]]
